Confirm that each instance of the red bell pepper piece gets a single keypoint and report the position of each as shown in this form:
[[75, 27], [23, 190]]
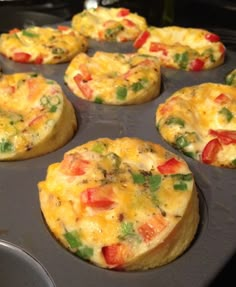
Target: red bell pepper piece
[[142, 38], [97, 197], [62, 28], [170, 166], [152, 228], [85, 72], [21, 57], [212, 37], [156, 47], [83, 86], [13, 31], [197, 65], [224, 136], [39, 60], [128, 23], [123, 12], [210, 151], [115, 254], [74, 164], [221, 99]]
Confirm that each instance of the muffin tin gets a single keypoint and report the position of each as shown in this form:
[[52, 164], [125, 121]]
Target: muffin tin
[[26, 243]]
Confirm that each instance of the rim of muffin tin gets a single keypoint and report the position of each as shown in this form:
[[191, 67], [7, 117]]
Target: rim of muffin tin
[[199, 259], [20, 268]]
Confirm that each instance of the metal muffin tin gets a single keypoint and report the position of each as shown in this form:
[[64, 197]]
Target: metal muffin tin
[[44, 262]]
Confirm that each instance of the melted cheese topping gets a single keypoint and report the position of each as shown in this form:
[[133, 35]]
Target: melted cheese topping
[[42, 45], [182, 48], [194, 116], [113, 202], [31, 108], [109, 24], [113, 78]]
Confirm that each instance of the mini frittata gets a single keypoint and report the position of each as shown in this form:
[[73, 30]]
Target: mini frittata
[[109, 24], [187, 49], [124, 204], [114, 78], [42, 45], [35, 116], [231, 78], [201, 122]]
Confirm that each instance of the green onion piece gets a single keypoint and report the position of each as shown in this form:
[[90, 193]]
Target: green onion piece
[[98, 100], [234, 161], [154, 182], [6, 146], [53, 109], [127, 231], [181, 142], [30, 34], [84, 252], [231, 78], [189, 153], [99, 147], [121, 93], [185, 177], [112, 32], [137, 86], [58, 51], [175, 121], [227, 114], [180, 186], [181, 60], [138, 178], [73, 239], [115, 159]]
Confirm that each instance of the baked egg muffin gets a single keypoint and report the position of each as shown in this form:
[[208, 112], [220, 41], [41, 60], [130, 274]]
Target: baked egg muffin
[[114, 78], [201, 122], [124, 204], [181, 48], [109, 24], [35, 116], [42, 45]]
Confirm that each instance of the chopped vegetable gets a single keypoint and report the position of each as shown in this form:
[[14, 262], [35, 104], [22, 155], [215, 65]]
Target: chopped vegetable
[[115, 254], [6, 146], [97, 197], [225, 137], [156, 47], [99, 147], [127, 231], [210, 151], [222, 99], [121, 93], [152, 228], [181, 142], [74, 165], [212, 37], [226, 113], [196, 65], [138, 178], [84, 87], [175, 121], [170, 166], [182, 60], [123, 12], [21, 57], [30, 34], [142, 38], [180, 186]]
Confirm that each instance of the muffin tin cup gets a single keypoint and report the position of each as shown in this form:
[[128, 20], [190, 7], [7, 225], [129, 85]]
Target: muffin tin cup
[[22, 224]]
